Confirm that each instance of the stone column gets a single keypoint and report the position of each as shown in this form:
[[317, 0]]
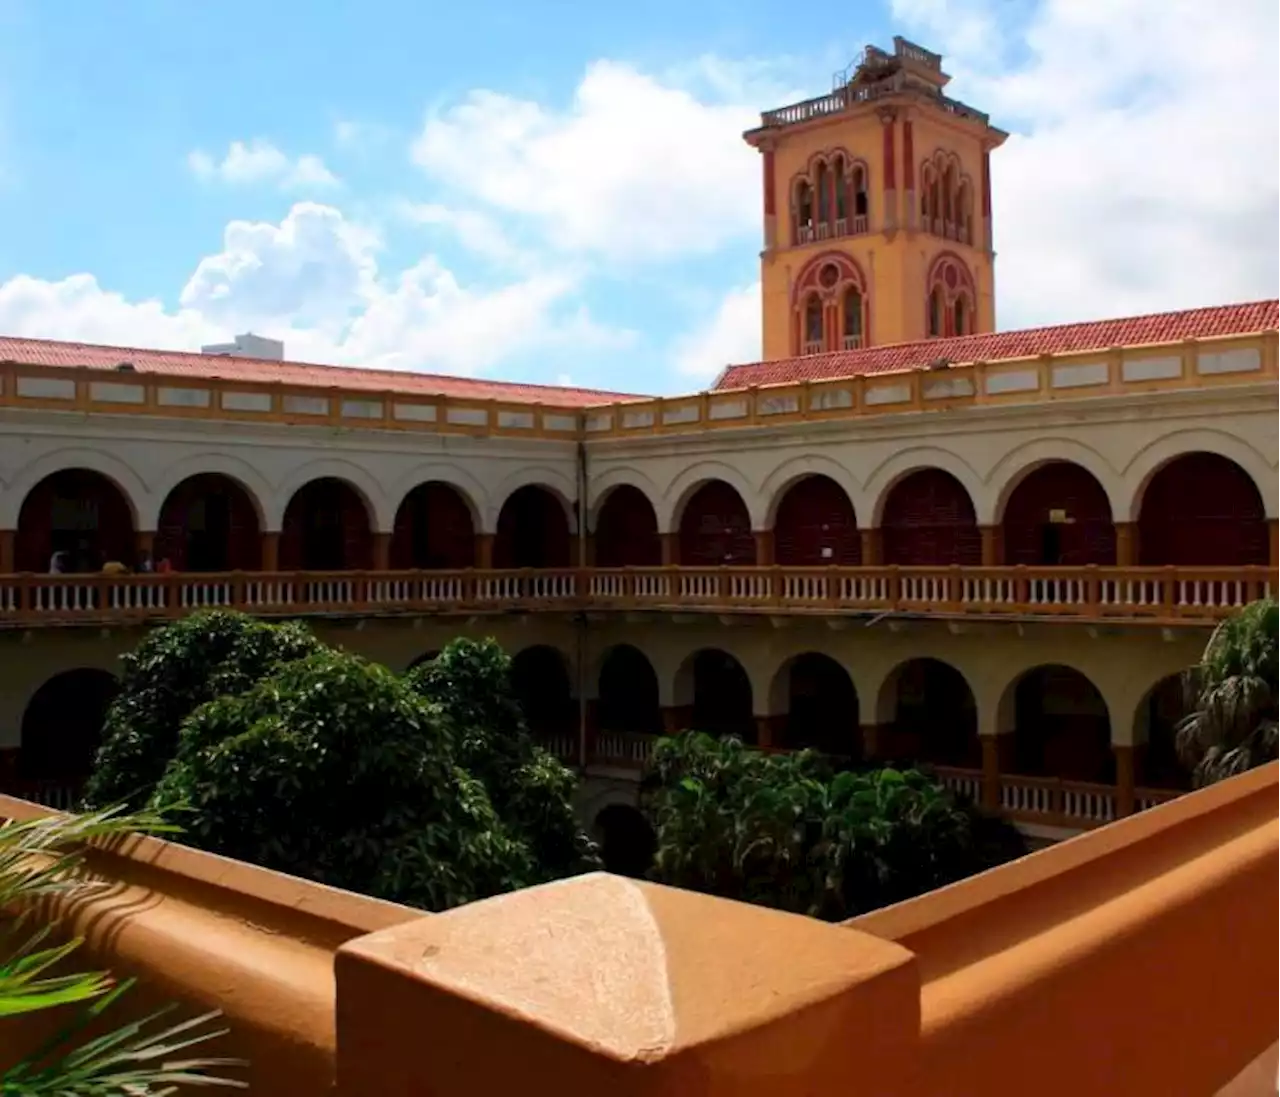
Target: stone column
[[992, 546], [872, 547], [1126, 544], [994, 750], [484, 551], [381, 555], [871, 741], [1125, 756], [271, 551], [1273, 536], [8, 544], [675, 719], [764, 547], [670, 549], [144, 543], [765, 731]]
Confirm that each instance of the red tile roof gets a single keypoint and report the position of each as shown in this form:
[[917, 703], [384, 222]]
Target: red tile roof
[[1163, 327], [46, 352]]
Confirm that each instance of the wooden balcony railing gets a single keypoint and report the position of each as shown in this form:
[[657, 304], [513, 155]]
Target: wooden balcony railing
[[1084, 593]]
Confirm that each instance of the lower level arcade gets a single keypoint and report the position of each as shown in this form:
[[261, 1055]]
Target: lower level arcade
[[1064, 725]]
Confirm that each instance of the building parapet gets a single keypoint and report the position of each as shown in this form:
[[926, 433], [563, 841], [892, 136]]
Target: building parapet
[[1037, 380], [1113, 940]]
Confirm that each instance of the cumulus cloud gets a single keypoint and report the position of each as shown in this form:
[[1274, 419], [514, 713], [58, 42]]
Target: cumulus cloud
[[633, 169], [313, 280], [731, 335], [259, 161], [477, 232], [1142, 173]]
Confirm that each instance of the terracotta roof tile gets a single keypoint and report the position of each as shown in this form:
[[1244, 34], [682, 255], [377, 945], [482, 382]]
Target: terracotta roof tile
[[46, 352], [1164, 327]]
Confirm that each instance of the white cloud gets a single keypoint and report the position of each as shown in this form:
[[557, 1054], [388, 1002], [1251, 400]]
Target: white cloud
[[1143, 173], [732, 336], [259, 161], [477, 232], [313, 281], [633, 169]]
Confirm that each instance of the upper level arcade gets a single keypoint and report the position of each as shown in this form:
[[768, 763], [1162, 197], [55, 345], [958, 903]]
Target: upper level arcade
[[877, 210], [870, 481]]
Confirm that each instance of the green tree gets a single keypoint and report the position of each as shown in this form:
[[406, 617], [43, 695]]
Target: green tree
[[335, 769], [787, 831], [175, 670], [1231, 698], [530, 789], [42, 858]]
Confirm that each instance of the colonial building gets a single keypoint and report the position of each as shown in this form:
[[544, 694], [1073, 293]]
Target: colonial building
[[903, 535]]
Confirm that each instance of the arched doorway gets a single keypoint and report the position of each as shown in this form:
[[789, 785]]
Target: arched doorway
[[540, 682], [1202, 510], [628, 693], [931, 716], [79, 514], [816, 525], [929, 521], [326, 528], [422, 660], [1059, 515], [62, 725], [626, 533], [1061, 726], [720, 691], [821, 706], [627, 841], [209, 522], [533, 531], [1158, 717], [715, 528], [433, 530]]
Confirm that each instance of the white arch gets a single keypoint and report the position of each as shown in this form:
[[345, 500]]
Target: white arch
[[1150, 459], [691, 479], [1005, 715], [890, 472], [540, 476], [131, 485], [1021, 461], [381, 516], [253, 483], [779, 690], [599, 488], [792, 471], [468, 487]]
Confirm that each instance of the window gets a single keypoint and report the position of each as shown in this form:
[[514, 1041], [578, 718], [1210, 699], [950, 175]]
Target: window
[[842, 196], [852, 320], [935, 312], [824, 194], [813, 324], [961, 316], [804, 213], [859, 193]]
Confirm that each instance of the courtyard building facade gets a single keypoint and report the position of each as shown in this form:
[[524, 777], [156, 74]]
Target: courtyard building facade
[[904, 535]]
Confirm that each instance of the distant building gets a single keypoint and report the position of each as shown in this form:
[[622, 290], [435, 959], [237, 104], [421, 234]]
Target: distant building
[[249, 345]]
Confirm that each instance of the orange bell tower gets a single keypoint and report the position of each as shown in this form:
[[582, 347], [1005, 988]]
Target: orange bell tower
[[877, 211]]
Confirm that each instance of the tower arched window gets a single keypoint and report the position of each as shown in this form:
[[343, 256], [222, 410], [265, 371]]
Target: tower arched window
[[951, 302], [935, 312], [852, 320], [860, 204], [804, 212], [842, 195], [813, 341], [822, 184]]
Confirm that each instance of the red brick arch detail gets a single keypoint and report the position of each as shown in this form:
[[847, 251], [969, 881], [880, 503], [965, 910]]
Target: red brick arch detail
[[849, 274]]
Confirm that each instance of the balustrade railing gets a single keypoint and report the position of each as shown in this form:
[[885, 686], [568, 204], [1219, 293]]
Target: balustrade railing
[[1087, 593]]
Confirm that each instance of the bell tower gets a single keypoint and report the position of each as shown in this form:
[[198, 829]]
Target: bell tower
[[877, 210]]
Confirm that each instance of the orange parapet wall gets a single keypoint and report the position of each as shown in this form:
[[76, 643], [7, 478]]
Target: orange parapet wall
[[1139, 959]]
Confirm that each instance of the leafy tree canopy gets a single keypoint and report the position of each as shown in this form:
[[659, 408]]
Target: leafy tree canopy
[[175, 670], [1231, 695], [787, 831], [424, 789]]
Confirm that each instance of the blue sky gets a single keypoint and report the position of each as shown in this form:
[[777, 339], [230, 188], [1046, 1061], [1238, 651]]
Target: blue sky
[[558, 191]]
